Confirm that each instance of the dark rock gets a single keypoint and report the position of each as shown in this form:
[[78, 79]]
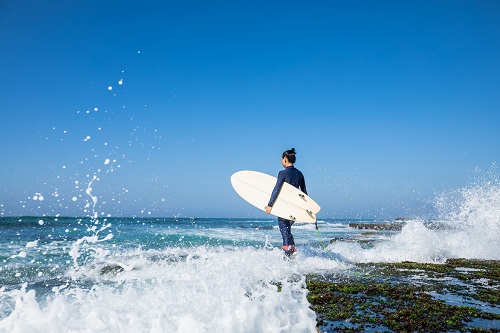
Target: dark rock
[[377, 226]]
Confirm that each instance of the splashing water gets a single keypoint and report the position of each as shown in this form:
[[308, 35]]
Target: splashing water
[[203, 291], [114, 286], [149, 279], [468, 226], [473, 214], [473, 207]]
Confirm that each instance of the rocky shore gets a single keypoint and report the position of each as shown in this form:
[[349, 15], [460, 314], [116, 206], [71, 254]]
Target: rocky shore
[[458, 296]]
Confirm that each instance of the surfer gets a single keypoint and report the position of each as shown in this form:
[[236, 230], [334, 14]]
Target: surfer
[[294, 177]]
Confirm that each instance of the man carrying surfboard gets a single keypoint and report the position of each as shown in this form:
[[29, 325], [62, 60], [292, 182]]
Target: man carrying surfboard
[[294, 177]]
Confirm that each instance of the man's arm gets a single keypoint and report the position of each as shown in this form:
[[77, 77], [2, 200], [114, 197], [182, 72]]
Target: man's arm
[[303, 185], [276, 191]]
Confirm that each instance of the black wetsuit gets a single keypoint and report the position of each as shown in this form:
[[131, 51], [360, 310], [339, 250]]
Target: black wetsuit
[[294, 177]]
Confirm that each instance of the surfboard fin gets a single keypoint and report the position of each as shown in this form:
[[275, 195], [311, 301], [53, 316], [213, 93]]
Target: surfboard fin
[[313, 216]]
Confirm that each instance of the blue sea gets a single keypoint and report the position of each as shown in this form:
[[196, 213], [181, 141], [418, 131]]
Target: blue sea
[[113, 274]]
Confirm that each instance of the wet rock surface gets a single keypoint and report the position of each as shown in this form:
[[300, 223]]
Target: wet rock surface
[[461, 295]]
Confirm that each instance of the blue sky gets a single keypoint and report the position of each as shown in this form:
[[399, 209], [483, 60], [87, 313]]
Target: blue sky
[[387, 103]]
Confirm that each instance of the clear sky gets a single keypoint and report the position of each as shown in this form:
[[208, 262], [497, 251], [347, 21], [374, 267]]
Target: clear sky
[[386, 102]]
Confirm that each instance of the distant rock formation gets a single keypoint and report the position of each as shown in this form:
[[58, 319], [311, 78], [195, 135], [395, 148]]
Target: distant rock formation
[[377, 226]]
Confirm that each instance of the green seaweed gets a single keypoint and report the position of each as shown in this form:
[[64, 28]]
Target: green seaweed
[[385, 296]]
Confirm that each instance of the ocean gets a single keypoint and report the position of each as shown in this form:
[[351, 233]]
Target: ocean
[[67, 274], [114, 274]]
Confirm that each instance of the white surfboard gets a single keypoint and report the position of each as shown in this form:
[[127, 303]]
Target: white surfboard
[[291, 204]]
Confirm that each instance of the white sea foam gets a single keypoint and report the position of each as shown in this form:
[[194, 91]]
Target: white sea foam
[[470, 228], [21, 254], [176, 290], [32, 244]]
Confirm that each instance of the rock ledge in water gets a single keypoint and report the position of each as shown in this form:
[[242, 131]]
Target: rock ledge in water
[[377, 226], [388, 297]]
